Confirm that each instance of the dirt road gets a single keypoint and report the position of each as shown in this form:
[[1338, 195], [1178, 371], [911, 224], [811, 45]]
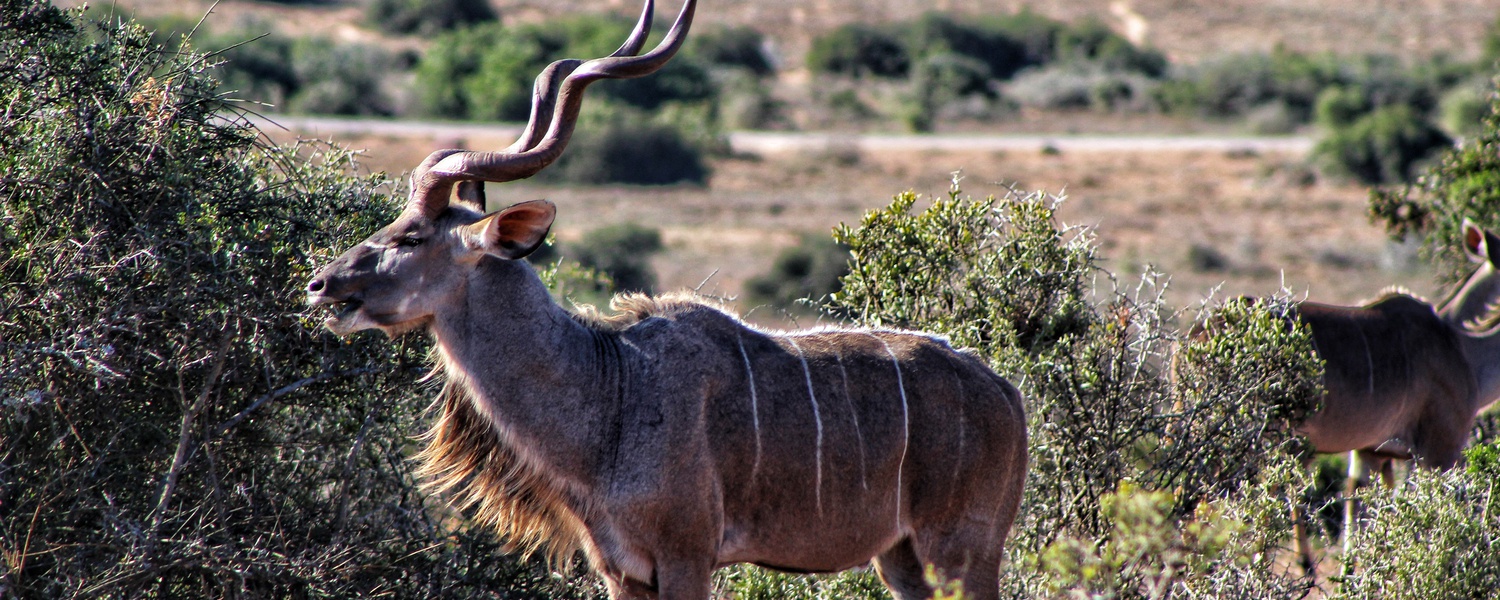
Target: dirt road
[[757, 142]]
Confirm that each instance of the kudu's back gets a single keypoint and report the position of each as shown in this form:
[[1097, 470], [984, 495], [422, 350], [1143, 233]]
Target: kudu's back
[[1396, 378]]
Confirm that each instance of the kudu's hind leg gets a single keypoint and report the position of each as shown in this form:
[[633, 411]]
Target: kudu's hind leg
[[902, 572], [1360, 462], [969, 556], [1303, 546]]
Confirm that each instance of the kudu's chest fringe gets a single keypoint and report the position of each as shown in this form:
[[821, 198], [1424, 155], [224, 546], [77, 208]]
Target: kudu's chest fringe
[[468, 461]]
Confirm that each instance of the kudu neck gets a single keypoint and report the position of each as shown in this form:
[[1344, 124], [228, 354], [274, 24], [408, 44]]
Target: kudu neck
[[1482, 349], [1473, 298], [529, 365]]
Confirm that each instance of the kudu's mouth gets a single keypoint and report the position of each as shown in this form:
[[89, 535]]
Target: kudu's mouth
[[338, 310]]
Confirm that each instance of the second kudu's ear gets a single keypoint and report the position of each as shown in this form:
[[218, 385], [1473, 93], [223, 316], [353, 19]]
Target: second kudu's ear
[[517, 231], [1481, 245]]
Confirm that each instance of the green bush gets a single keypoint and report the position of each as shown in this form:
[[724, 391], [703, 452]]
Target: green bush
[[859, 50], [622, 253], [1035, 34], [1462, 109], [302, 75], [1074, 86], [1000, 277], [808, 271], [173, 425], [1233, 85], [1436, 536], [1384, 146], [254, 68], [1339, 106], [1463, 183], [941, 80], [339, 79], [486, 72], [426, 17], [1223, 550], [735, 47], [1090, 40], [936, 34], [754, 583], [629, 151]]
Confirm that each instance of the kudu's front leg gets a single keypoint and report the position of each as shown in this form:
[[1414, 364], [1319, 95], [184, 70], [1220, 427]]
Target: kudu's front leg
[[684, 580]]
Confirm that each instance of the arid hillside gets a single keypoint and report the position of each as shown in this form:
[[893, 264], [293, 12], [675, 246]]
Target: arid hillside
[[1187, 30]]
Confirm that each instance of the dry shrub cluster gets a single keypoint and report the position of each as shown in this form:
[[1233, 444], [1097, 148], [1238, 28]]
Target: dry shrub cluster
[[171, 424]]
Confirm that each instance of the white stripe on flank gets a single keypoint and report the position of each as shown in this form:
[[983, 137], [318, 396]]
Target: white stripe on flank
[[905, 425], [864, 482], [1369, 361], [754, 407], [958, 465], [817, 420]]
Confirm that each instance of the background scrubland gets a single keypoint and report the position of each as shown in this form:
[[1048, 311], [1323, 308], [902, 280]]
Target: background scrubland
[[176, 425]]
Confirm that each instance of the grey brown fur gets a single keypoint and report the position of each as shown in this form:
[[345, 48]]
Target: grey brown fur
[[675, 439]]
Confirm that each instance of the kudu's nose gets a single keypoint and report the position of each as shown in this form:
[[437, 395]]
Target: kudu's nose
[[315, 287]]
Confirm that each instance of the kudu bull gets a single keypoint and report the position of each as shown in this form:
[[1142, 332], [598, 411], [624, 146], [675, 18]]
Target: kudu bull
[[675, 439], [1403, 379]]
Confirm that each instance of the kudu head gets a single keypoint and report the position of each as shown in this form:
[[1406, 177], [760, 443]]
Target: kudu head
[[1473, 299], [397, 279]]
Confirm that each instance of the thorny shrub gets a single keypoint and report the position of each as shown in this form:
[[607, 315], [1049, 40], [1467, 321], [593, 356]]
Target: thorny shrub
[[1001, 277], [171, 425], [1437, 536]]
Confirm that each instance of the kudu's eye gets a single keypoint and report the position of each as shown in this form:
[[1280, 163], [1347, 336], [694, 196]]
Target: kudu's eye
[[410, 241]]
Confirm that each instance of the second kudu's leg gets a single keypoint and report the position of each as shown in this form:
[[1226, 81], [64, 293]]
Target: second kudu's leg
[[1361, 463]]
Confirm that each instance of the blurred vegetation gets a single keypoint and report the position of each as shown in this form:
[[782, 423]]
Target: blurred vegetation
[[1383, 146], [270, 72], [809, 271], [621, 253], [1463, 183], [426, 17], [486, 72], [732, 47], [173, 426], [614, 147]]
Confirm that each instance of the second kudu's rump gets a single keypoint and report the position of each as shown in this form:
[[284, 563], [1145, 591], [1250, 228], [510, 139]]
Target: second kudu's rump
[[675, 439]]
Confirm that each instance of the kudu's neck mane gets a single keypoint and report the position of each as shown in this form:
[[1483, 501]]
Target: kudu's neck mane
[[471, 453], [471, 450]]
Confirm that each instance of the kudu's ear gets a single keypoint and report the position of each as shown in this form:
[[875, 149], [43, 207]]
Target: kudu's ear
[[517, 231], [1481, 245]]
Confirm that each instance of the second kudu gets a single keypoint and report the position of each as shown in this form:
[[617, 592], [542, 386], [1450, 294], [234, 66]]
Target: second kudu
[[1404, 379], [675, 439]]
